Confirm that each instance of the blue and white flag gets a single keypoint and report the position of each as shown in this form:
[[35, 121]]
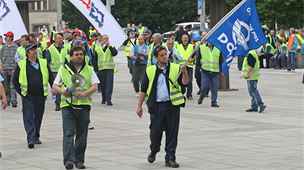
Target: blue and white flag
[[101, 19], [237, 33], [10, 19]]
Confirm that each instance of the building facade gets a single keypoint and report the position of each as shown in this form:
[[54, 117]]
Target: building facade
[[42, 13]]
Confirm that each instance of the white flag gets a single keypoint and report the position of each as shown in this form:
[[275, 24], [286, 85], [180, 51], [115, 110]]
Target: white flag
[[10, 19], [101, 19]]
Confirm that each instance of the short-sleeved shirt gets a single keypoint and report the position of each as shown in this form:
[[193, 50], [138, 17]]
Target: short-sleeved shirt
[[251, 60]]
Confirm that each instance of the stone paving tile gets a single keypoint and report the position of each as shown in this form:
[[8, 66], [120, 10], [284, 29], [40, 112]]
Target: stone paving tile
[[210, 139]]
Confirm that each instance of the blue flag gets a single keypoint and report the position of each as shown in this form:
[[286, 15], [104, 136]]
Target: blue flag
[[237, 33]]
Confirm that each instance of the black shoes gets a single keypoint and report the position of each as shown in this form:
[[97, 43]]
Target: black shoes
[[80, 165], [252, 110], [57, 108], [109, 103], [103, 102], [215, 105], [31, 146], [200, 100], [262, 108], [14, 105], [151, 157], [69, 165], [172, 164]]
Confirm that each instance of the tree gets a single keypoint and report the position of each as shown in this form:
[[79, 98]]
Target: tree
[[161, 15]]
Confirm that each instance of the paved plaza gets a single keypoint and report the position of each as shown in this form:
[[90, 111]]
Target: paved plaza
[[227, 138]]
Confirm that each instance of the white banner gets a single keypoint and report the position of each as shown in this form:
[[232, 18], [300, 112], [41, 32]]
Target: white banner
[[10, 19], [101, 19]]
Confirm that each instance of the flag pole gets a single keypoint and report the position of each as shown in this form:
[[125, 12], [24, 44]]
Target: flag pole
[[223, 19]]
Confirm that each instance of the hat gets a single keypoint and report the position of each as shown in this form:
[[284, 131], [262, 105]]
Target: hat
[[9, 34], [31, 46]]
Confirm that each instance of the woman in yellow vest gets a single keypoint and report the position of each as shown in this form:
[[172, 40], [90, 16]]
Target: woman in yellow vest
[[186, 49], [76, 81], [251, 73], [31, 79], [104, 59], [162, 84]]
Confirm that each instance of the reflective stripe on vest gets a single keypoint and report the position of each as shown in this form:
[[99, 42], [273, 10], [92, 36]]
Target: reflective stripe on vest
[[210, 60], [65, 74], [104, 58], [256, 69], [185, 53], [23, 81], [57, 59], [175, 90]]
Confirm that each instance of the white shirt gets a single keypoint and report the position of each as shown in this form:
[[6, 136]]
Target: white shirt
[[94, 79]]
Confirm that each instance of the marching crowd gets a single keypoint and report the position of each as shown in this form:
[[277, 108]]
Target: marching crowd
[[76, 65]]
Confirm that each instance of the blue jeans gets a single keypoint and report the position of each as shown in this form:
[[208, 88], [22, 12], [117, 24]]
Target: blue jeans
[[75, 133], [256, 99], [210, 81], [292, 61], [33, 110]]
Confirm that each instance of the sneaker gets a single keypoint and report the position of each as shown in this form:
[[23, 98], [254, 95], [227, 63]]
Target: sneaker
[[262, 108], [80, 165], [91, 126]]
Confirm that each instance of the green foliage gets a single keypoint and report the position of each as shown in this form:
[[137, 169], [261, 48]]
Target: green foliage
[[287, 13], [161, 15]]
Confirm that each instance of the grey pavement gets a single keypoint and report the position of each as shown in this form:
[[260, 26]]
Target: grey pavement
[[227, 138]]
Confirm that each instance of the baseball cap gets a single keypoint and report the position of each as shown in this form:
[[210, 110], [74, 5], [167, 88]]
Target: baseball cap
[[9, 34]]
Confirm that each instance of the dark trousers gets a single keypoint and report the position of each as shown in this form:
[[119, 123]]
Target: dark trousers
[[164, 117], [75, 133], [198, 76], [210, 81], [189, 87], [33, 110], [107, 83], [267, 57], [130, 65], [138, 74], [57, 96], [9, 86]]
